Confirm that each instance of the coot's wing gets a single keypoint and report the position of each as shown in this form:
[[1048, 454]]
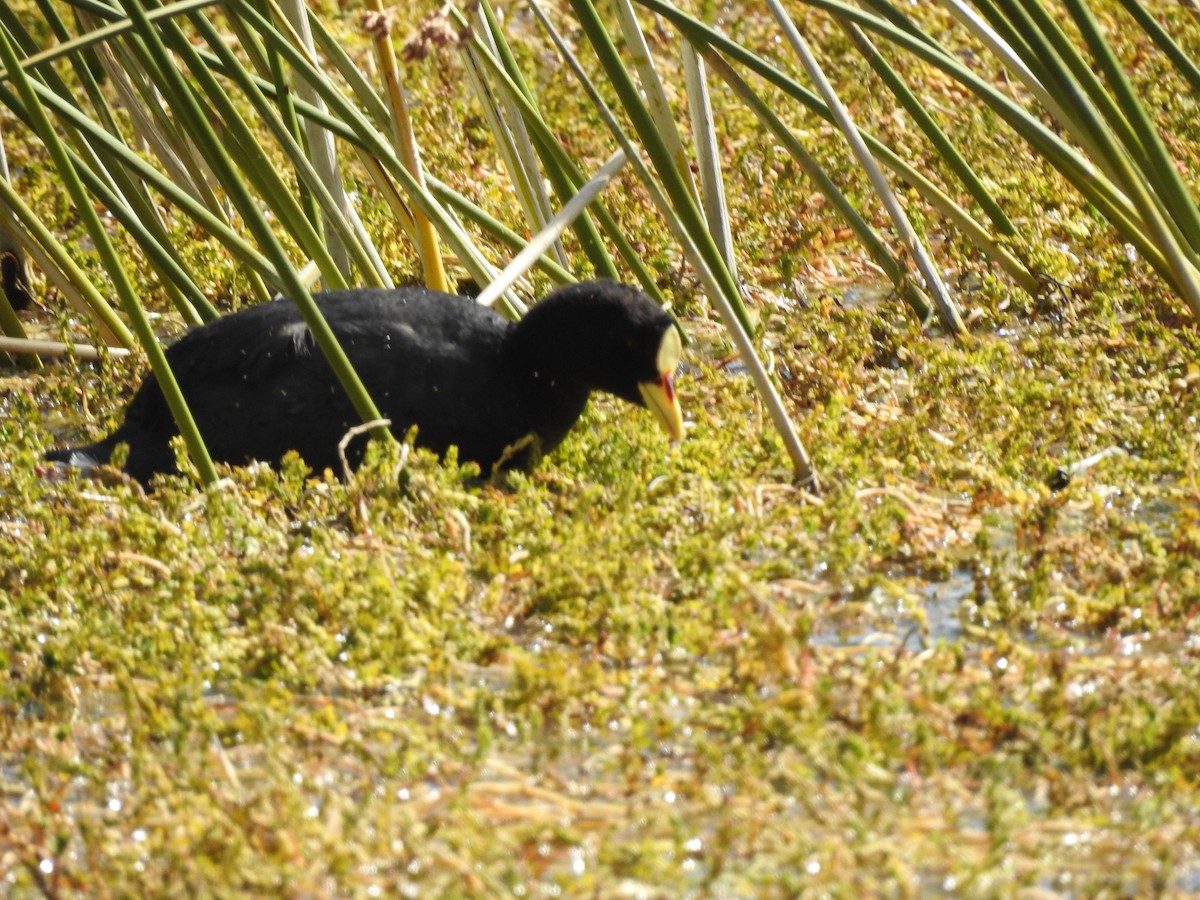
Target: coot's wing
[[258, 385], [439, 367], [235, 356]]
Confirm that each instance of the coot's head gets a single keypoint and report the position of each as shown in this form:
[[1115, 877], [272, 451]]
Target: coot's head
[[606, 336]]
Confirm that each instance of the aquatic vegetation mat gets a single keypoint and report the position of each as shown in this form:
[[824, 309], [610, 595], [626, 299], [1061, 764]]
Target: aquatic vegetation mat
[[637, 670]]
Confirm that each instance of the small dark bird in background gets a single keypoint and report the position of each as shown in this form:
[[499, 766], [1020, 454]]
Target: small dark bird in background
[[258, 386], [14, 281]]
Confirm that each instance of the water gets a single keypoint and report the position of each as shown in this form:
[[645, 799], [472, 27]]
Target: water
[[905, 613]]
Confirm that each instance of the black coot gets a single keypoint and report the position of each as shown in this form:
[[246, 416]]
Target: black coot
[[258, 386]]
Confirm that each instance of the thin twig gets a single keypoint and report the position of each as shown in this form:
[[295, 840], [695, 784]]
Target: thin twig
[[351, 435], [542, 241], [33, 347]]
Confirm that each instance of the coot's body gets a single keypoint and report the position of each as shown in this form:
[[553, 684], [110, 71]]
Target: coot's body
[[258, 386]]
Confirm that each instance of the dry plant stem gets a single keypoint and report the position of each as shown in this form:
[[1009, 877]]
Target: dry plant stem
[[546, 238], [705, 138], [351, 434], [947, 311], [379, 27], [56, 348]]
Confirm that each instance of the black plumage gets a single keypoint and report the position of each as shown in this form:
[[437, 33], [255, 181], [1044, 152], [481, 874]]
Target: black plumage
[[14, 280], [258, 386]]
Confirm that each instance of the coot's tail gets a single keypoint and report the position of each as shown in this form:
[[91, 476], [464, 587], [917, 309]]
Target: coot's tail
[[145, 457], [81, 457]]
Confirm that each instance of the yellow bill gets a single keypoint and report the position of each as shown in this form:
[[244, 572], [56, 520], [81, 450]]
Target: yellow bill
[[659, 395]]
